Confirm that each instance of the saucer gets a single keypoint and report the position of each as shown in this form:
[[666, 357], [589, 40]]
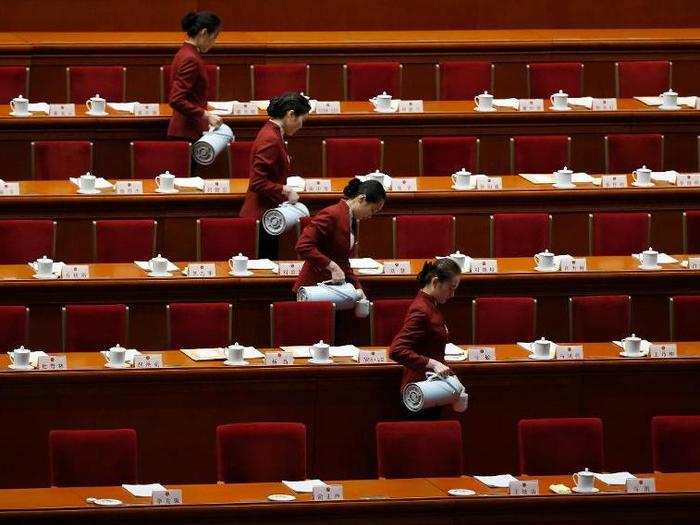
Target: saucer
[[564, 186], [325, 362], [17, 367], [577, 490], [642, 267], [95, 114], [117, 367], [540, 357], [462, 188], [455, 358], [235, 363], [490, 110], [461, 492], [281, 497], [567, 108], [642, 185], [46, 277], [13, 114], [154, 274], [638, 354], [669, 108], [390, 110], [174, 190], [247, 273], [105, 502], [89, 192], [552, 269]]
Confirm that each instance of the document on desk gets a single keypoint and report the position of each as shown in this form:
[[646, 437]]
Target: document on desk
[[500, 481], [143, 491], [306, 485]]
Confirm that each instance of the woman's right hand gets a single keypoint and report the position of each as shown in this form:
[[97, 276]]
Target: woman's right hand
[[213, 120], [337, 275], [439, 368]]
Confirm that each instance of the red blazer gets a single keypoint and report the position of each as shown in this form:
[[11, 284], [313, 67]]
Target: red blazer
[[422, 336], [269, 169], [326, 238], [188, 94]]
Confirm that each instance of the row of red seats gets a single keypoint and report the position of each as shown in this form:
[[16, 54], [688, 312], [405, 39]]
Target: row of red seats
[[267, 452], [495, 320], [414, 237], [347, 157], [362, 80]]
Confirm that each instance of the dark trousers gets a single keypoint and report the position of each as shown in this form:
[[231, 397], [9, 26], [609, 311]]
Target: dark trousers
[[268, 245]]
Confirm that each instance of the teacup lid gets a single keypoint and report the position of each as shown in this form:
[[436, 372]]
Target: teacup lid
[[320, 344], [305, 96], [457, 254], [166, 173], [561, 92], [565, 169], [20, 98], [384, 95], [117, 347], [44, 258], [633, 338], [159, 257], [21, 349], [485, 94], [463, 171], [97, 97], [643, 168], [543, 340], [240, 257], [669, 92], [545, 252], [235, 345], [650, 250], [87, 175], [585, 472]]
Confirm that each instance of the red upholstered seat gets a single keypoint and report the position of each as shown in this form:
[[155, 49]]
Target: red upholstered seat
[[539, 153], [676, 443], [213, 74], [642, 78], [14, 81], [199, 325], [463, 80], [351, 157], [24, 241], [560, 446], [416, 449], [14, 327], [151, 158], [94, 327], [625, 153], [259, 452], [271, 80], [119, 241], [61, 159], [684, 317], [222, 238], [423, 236], [519, 234], [239, 159], [599, 318], [550, 77], [364, 80], [619, 233], [386, 318], [93, 457], [503, 320], [691, 232], [302, 323], [442, 156], [85, 82]]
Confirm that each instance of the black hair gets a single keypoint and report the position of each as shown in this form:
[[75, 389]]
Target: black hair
[[372, 190], [289, 101], [444, 269], [193, 22]]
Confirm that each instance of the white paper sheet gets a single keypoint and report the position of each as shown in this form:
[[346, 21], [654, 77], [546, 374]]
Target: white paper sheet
[[145, 266], [548, 178], [662, 259], [100, 183], [143, 491], [128, 107], [665, 176], [644, 346], [56, 268], [344, 351], [506, 103], [304, 486], [363, 263], [262, 264], [586, 102], [226, 107], [129, 358], [500, 481], [297, 183], [39, 107], [297, 351], [190, 182], [614, 478], [453, 349]]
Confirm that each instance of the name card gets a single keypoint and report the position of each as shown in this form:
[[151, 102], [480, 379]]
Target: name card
[[484, 266], [9, 188], [279, 358], [201, 270], [327, 106], [693, 263], [486, 353], [52, 362], [531, 104], [166, 497], [663, 351], [328, 492], [411, 106], [640, 485], [371, 357], [489, 183], [318, 185], [688, 180], [148, 361], [573, 265], [146, 110], [614, 181], [604, 104], [217, 186], [568, 352], [61, 110], [245, 108], [128, 187], [291, 268], [397, 267], [75, 271], [531, 487], [409, 184]]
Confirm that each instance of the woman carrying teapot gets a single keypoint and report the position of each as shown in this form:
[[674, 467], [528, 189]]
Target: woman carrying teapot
[[420, 344]]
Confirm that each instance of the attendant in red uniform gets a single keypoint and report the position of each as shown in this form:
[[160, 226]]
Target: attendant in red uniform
[[329, 239], [270, 162], [420, 344], [189, 83]]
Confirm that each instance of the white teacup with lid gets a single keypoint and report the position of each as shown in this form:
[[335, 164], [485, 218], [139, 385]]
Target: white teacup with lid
[[563, 178], [649, 259], [541, 348], [19, 107], [238, 264], [642, 176], [159, 265], [669, 99], [461, 178], [382, 102], [96, 105], [545, 260], [559, 101], [632, 345], [44, 267], [584, 481], [483, 102], [460, 259], [20, 358], [86, 183], [234, 354], [320, 353], [117, 356], [165, 183], [376, 175]]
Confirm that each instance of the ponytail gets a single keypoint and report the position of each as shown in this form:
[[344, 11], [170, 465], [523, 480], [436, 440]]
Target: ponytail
[[444, 269]]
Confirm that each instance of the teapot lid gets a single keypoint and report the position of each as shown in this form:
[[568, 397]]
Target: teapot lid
[[20, 98]]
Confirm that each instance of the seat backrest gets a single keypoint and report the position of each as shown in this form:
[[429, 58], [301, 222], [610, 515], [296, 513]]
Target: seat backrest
[[503, 320], [151, 158], [84, 82], [423, 236], [676, 443], [463, 80], [94, 327], [23, 241], [547, 78], [624, 153], [642, 78], [351, 157], [271, 80], [60, 160], [14, 327], [443, 156], [519, 234], [539, 153], [199, 325], [619, 233], [684, 317], [364, 80], [219, 239], [301, 322], [239, 160], [599, 318], [14, 81], [121, 241], [386, 319], [691, 232]]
